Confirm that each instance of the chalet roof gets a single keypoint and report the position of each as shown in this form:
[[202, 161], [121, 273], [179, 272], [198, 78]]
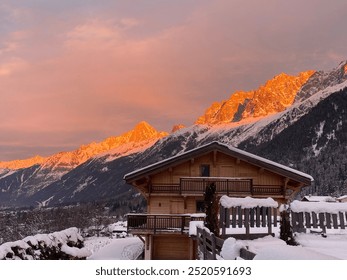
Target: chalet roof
[[318, 198], [226, 149]]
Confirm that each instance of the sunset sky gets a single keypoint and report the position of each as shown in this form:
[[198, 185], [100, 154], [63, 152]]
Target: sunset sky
[[77, 71]]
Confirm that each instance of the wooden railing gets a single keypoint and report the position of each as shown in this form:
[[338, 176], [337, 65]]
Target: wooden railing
[[150, 223], [224, 186], [209, 246]]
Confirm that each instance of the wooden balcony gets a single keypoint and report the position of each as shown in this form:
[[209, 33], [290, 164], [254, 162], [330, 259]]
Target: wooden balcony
[[224, 186], [160, 223]]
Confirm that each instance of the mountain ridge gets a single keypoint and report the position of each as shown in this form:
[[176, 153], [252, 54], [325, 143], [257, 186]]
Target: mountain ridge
[[141, 132], [274, 96], [100, 176]]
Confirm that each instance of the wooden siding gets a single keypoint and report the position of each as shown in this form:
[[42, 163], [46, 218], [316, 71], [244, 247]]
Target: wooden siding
[[166, 204], [221, 165], [171, 247]]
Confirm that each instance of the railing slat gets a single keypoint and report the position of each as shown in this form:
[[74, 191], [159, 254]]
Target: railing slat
[[335, 224], [342, 220], [314, 220]]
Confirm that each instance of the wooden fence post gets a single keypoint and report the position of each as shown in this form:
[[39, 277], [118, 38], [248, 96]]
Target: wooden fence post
[[213, 241]]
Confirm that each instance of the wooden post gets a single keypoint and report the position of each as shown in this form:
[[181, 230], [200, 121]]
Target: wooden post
[[335, 220], [314, 220], [240, 216], [221, 216], [322, 222], [275, 217], [257, 217], [246, 211], [213, 241], [251, 213], [308, 220], [342, 220], [301, 221], [204, 233]]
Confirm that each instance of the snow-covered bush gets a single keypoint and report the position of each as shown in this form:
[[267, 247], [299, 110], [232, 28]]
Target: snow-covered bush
[[231, 249], [62, 245]]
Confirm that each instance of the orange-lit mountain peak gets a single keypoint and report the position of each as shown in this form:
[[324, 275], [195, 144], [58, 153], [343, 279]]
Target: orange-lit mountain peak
[[23, 163], [142, 132], [274, 96], [177, 127]]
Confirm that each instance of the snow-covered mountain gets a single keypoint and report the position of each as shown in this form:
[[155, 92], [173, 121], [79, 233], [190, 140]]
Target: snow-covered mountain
[[295, 120], [22, 179]]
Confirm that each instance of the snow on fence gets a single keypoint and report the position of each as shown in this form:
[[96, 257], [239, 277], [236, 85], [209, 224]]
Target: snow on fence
[[62, 245], [247, 213], [313, 215]]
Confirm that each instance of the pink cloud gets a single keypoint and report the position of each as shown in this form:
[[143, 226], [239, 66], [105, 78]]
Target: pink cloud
[[104, 71]]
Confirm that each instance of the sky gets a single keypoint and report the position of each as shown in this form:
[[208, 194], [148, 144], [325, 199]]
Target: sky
[[77, 71]]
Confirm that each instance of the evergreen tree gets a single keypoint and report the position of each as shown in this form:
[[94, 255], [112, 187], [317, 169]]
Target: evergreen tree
[[211, 209]]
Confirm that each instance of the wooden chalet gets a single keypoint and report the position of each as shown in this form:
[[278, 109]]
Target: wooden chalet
[[174, 189]]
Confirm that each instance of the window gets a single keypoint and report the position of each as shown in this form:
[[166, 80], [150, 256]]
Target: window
[[205, 170]]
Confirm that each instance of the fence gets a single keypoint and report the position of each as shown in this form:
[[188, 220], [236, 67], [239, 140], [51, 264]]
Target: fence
[[209, 246], [318, 215], [247, 218]]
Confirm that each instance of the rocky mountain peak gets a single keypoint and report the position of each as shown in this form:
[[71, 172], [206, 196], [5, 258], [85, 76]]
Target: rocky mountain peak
[[24, 163], [321, 80], [177, 127], [65, 161], [272, 97]]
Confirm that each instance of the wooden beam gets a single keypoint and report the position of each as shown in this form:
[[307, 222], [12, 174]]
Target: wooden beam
[[238, 161], [141, 238]]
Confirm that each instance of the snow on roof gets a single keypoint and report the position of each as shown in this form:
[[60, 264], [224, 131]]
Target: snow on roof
[[342, 197], [247, 202], [229, 148], [315, 198], [318, 207]]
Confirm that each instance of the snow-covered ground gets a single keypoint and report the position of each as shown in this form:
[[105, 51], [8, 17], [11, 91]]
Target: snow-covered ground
[[105, 248], [312, 247]]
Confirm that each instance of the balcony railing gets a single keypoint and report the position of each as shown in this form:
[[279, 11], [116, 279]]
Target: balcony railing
[[224, 186], [151, 223]]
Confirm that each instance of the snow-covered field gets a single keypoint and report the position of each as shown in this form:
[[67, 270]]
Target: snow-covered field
[[105, 248], [312, 247]]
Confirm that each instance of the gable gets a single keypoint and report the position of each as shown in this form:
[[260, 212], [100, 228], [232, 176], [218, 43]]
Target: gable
[[225, 158]]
